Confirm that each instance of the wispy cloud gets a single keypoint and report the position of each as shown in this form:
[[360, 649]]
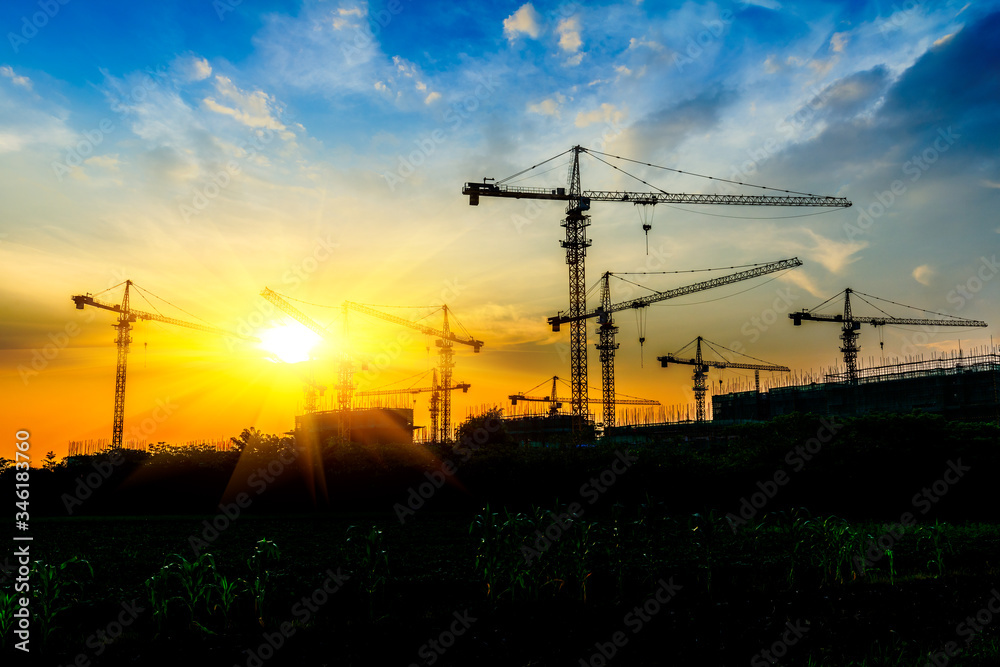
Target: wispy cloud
[[8, 71]]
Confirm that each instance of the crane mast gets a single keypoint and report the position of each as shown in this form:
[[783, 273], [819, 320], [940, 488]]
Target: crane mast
[[447, 364], [126, 316], [435, 407], [606, 346], [576, 243], [122, 340], [852, 324], [700, 374]]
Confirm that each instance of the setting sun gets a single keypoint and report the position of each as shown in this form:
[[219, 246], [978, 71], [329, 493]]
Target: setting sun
[[288, 344]]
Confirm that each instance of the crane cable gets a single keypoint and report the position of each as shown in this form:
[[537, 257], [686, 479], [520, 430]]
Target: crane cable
[[922, 310], [169, 304], [826, 302], [558, 166], [110, 288], [696, 303], [545, 381], [419, 376], [718, 215], [656, 273], [691, 173], [504, 180]]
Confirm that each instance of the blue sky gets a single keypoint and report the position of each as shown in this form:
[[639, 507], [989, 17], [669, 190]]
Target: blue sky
[[207, 149]]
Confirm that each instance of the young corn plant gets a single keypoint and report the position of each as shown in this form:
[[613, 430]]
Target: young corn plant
[[8, 606], [262, 563], [370, 562], [704, 532], [180, 592], [833, 542], [158, 588], [579, 542], [56, 587], [227, 595], [935, 538], [616, 549]]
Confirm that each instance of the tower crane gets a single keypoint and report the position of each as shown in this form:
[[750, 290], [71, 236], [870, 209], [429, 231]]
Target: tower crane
[[554, 403], [608, 330], [701, 366], [126, 317], [313, 390], [345, 384], [445, 340], [852, 323], [576, 242], [435, 403]]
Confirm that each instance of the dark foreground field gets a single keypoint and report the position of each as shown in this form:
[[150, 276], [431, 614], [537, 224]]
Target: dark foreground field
[[687, 592], [684, 555]]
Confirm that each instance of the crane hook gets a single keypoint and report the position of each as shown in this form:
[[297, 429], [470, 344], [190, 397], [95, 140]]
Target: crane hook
[[646, 216]]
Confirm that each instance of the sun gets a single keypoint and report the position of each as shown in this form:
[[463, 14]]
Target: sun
[[288, 344]]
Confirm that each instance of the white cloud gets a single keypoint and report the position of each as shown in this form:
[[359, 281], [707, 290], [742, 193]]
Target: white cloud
[[569, 35], [923, 274], [522, 22], [22, 81], [575, 60], [838, 42], [623, 71], [432, 97], [607, 113], [548, 107]]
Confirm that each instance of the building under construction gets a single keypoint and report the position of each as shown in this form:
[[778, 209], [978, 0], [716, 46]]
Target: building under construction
[[373, 426], [963, 388]]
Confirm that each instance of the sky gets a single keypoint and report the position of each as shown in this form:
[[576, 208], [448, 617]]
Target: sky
[[206, 150]]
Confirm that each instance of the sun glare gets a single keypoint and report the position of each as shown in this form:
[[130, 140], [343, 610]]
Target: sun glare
[[288, 344]]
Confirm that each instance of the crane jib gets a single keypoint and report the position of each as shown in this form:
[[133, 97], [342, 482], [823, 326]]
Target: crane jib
[[603, 314], [475, 190]]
